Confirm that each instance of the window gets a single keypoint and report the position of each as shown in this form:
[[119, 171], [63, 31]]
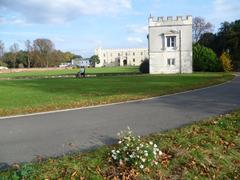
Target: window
[[141, 53], [104, 55], [134, 54], [171, 62], [171, 41], [126, 54], [133, 59], [118, 54]]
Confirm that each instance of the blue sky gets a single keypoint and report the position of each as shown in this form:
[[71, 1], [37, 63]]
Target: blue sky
[[80, 26]]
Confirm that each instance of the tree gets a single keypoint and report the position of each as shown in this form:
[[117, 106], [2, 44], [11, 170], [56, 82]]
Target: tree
[[42, 50], [14, 50], [29, 50], [68, 56], [1, 52], [226, 62], [1, 49], [204, 59], [95, 60], [144, 67], [227, 39], [200, 26]]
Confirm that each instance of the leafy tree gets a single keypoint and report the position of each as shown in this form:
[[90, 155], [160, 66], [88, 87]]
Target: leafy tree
[[1, 53], [1, 49], [204, 59], [144, 67], [95, 60], [227, 39], [226, 62], [200, 26], [68, 56], [42, 51]]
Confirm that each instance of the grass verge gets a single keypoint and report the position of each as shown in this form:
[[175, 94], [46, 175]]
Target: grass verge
[[63, 72], [209, 149], [38, 95]]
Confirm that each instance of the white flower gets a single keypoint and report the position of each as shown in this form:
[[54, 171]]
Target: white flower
[[119, 142], [141, 145], [155, 145], [146, 154], [113, 151], [141, 166], [114, 157], [156, 163], [151, 143], [143, 160], [118, 151], [137, 148], [160, 153]]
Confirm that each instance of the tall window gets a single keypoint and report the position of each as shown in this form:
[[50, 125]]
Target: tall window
[[171, 41], [171, 62], [134, 54]]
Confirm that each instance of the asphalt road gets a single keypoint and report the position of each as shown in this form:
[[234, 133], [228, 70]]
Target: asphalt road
[[24, 138]]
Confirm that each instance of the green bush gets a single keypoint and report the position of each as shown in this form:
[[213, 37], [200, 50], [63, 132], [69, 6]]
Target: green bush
[[204, 59], [144, 67]]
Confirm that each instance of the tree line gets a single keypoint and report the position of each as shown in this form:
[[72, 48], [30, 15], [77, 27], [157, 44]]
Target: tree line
[[218, 51], [39, 53]]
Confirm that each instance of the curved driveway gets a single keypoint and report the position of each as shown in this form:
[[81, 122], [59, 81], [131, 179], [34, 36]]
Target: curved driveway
[[24, 138]]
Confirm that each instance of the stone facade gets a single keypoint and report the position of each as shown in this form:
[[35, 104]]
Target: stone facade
[[121, 57], [170, 45]]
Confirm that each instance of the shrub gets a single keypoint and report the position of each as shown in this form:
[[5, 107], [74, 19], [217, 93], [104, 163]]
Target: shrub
[[132, 152], [226, 62], [204, 59], [144, 67]]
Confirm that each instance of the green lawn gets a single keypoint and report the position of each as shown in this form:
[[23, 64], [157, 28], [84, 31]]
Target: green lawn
[[206, 150], [90, 71], [34, 95]]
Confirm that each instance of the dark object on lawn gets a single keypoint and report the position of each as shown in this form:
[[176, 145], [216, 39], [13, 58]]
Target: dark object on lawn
[[144, 67], [81, 73]]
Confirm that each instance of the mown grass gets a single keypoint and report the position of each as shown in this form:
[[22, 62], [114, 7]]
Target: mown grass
[[62, 72], [35, 95], [209, 149]]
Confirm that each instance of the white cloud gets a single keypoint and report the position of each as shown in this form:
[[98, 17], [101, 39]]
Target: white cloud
[[135, 40], [137, 29], [59, 11], [223, 9]]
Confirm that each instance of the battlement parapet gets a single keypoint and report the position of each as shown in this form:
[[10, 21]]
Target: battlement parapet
[[170, 20]]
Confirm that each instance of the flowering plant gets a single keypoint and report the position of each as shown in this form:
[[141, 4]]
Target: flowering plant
[[133, 152]]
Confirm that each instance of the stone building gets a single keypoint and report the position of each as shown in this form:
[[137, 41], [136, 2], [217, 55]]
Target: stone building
[[121, 57], [170, 45]]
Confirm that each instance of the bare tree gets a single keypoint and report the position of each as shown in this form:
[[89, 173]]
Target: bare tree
[[29, 49], [14, 50], [200, 26], [43, 49]]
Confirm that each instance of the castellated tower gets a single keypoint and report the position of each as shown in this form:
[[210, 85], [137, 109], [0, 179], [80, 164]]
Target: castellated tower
[[170, 44]]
